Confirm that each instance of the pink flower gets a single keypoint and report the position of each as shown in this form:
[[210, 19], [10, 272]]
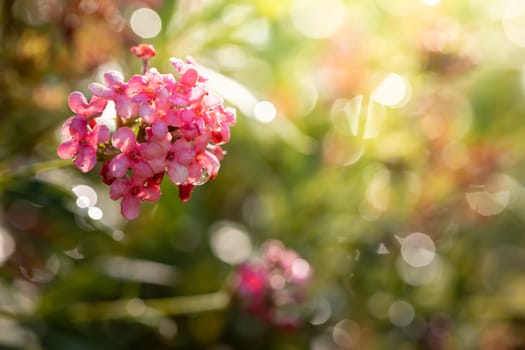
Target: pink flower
[[133, 191], [180, 163], [164, 126], [79, 104], [157, 112], [117, 91], [144, 88], [82, 143], [155, 151], [124, 139], [144, 51]]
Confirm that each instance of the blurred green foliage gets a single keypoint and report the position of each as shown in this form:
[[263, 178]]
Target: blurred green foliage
[[356, 159]]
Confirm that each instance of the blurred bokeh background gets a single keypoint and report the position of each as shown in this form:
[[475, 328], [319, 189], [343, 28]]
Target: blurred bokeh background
[[382, 140]]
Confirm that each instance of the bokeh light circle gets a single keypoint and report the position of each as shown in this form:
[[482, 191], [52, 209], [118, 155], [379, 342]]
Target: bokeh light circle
[[401, 313], [393, 91], [230, 243], [146, 23], [418, 249], [346, 334], [317, 19], [264, 111]]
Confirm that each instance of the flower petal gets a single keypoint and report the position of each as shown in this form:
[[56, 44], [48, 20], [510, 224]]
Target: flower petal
[[125, 107], [159, 130], [130, 207], [211, 100], [100, 90], [124, 139], [151, 150], [113, 78], [86, 158], [64, 130], [190, 77], [99, 134], [208, 161], [177, 173], [142, 169], [78, 128], [118, 166], [147, 112], [150, 193], [187, 116], [194, 172], [185, 192], [183, 152], [67, 149], [77, 102], [119, 188]]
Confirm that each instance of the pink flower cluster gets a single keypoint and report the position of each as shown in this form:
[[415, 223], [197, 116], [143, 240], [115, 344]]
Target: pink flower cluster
[[273, 284], [165, 125]]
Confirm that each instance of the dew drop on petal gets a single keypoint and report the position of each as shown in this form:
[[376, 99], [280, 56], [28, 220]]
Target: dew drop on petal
[[205, 177]]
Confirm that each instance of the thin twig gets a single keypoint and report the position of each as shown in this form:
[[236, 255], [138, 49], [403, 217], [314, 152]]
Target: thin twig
[[34, 168], [149, 308]]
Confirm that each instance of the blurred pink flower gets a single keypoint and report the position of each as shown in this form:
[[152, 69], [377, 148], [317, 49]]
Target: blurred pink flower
[[267, 285]]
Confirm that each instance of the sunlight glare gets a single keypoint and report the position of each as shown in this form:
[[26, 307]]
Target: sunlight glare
[[146, 23]]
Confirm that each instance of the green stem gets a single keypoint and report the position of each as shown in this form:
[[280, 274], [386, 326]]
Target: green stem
[[149, 308], [32, 169]]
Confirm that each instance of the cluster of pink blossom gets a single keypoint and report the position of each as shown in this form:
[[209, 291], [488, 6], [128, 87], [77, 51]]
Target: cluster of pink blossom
[[271, 285], [164, 126]]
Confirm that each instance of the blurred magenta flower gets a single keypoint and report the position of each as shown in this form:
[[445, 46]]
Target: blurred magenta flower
[[164, 126], [273, 283]]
